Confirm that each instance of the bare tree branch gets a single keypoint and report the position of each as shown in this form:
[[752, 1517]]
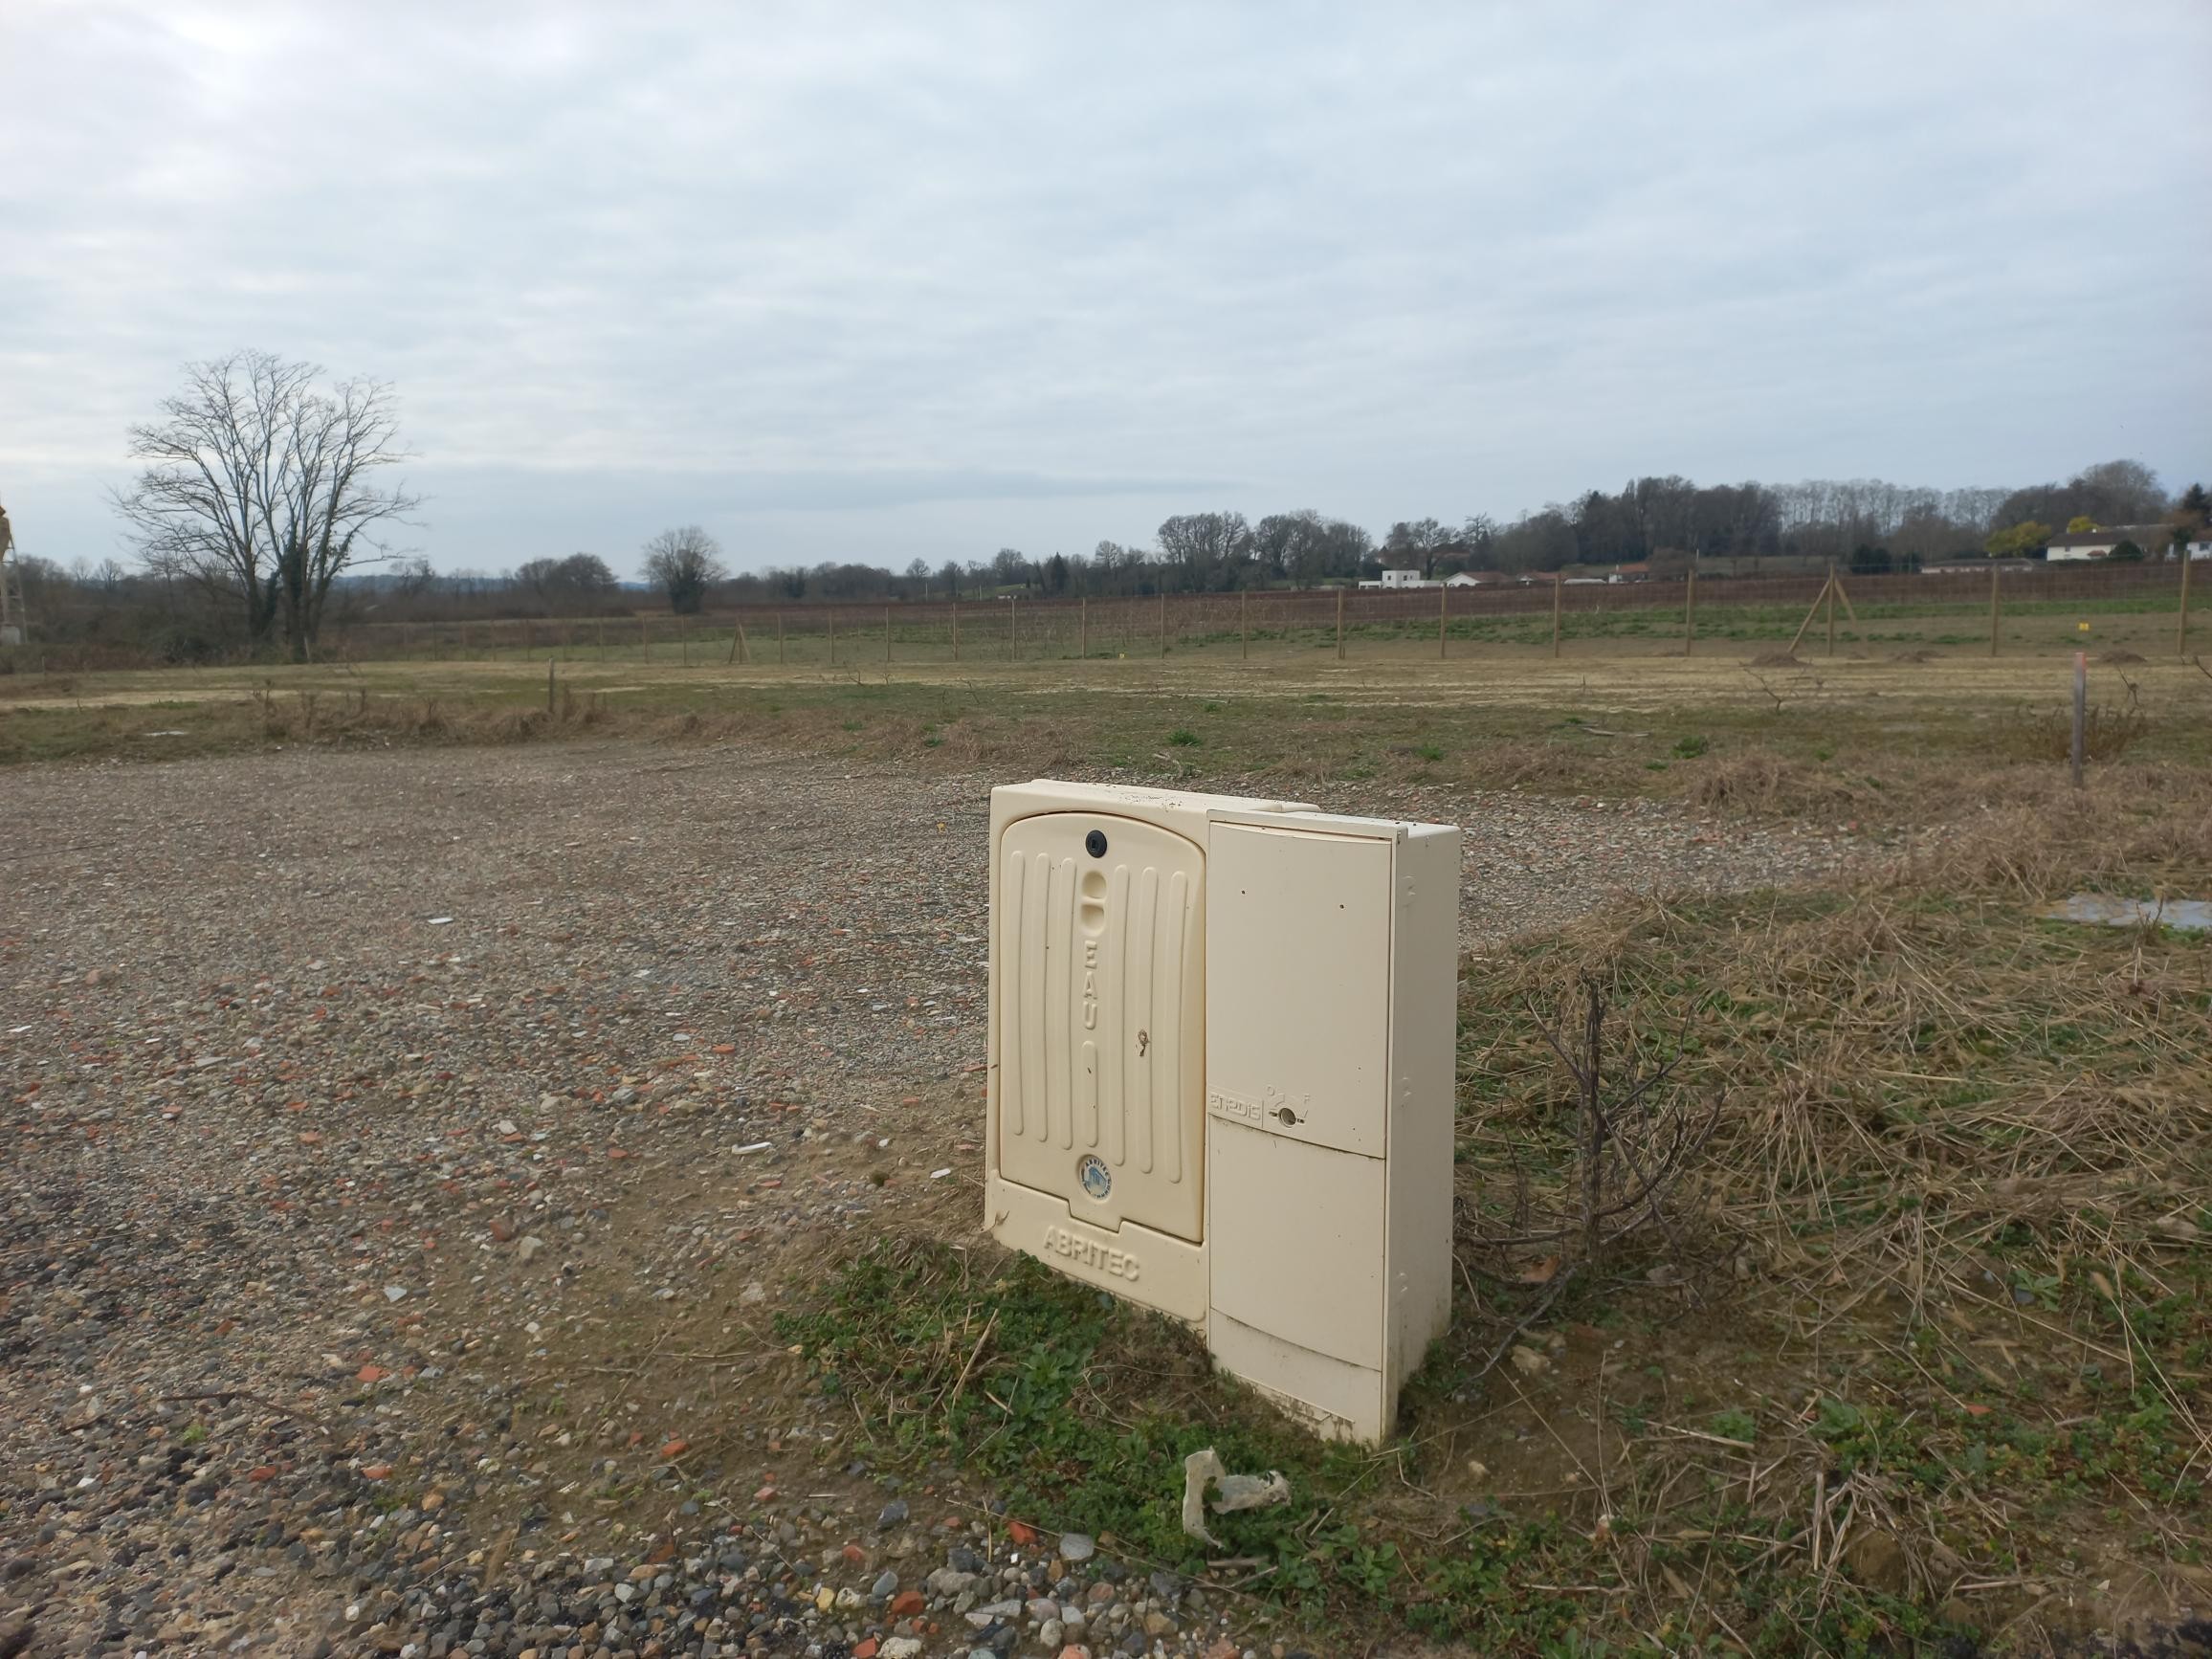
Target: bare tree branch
[[264, 489]]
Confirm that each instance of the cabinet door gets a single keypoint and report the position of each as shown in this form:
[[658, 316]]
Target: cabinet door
[[1297, 1241], [1101, 962], [1298, 984]]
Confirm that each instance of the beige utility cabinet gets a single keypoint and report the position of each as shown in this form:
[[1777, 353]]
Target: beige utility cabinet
[[1221, 1074]]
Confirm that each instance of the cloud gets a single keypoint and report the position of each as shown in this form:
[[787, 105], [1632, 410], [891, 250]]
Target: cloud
[[978, 275]]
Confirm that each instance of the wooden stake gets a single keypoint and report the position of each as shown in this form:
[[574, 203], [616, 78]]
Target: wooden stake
[[1831, 591], [737, 632], [956, 630], [781, 656], [887, 633], [1818, 599], [1163, 622], [832, 639], [744, 649], [549, 685], [2182, 626], [1994, 611], [1244, 638], [1083, 627], [1442, 615], [1689, 618], [2081, 705], [1339, 624], [1012, 651], [1558, 588]]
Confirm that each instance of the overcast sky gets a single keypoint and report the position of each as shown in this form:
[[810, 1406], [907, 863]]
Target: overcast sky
[[924, 280]]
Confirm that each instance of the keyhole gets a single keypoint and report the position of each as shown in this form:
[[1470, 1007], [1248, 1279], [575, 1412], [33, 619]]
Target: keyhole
[[1144, 1042]]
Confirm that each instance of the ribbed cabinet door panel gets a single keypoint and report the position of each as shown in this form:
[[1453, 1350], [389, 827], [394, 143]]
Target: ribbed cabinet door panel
[[1103, 984]]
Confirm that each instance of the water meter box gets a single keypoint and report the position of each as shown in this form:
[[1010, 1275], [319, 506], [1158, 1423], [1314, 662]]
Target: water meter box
[[1221, 1074]]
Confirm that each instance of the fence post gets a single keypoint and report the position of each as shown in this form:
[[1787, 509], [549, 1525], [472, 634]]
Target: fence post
[[1083, 629], [1163, 622], [1559, 587], [1243, 637], [1831, 591], [1443, 614], [1993, 610], [956, 630], [1013, 603], [549, 685], [2182, 626], [1339, 624], [1689, 618], [782, 657], [737, 634], [2081, 702], [887, 633], [832, 639]]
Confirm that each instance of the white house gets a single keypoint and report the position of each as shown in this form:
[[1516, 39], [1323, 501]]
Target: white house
[[1397, 579], [2077, 545]]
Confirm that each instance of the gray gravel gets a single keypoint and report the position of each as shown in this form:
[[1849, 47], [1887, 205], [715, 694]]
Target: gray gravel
[[352, 1097]]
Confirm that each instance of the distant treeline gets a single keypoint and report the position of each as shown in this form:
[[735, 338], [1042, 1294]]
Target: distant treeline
[[1664, 522]]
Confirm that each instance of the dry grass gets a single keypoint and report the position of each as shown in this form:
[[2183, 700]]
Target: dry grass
[[1964, 1152]]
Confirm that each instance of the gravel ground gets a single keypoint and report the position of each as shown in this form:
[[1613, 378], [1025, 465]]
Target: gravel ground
[[406, 1150]]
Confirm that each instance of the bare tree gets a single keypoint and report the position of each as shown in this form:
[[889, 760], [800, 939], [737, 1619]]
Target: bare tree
[[264, 488], [686, 562]]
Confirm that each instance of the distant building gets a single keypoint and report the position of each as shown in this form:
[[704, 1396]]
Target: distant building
[[1397, 579], [2077, 545], [1473, 579]]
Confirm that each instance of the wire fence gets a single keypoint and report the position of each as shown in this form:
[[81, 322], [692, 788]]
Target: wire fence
[[2004, 610], [2014, 609]]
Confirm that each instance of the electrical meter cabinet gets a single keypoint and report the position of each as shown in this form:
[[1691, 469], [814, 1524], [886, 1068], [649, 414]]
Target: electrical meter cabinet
[[1221, 1038]]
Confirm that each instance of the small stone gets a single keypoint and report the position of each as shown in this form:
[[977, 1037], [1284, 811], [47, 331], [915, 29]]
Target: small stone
[[1049, 1633], [894, 1512], [906, 1604], [898, 1648], [886, 1588], [1078, 1546], [529, 1246], [1528, 1362], [1158, 1624]]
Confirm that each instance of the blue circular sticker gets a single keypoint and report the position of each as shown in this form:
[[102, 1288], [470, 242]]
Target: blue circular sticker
[[1096, 1179]]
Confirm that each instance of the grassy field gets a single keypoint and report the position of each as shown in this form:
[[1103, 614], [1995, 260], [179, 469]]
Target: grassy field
[[1853, 738], [1916, 1361]]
